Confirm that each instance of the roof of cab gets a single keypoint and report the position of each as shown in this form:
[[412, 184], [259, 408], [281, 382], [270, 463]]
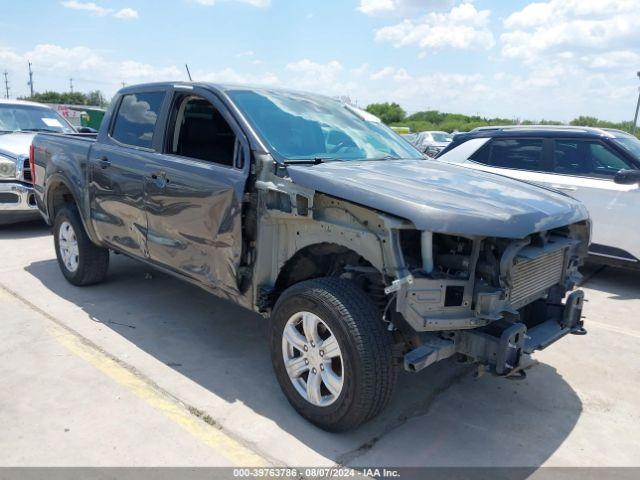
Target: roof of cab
[[543, 131], [223, 87]]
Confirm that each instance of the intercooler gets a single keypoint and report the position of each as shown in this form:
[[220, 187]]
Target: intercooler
[[531, 276]]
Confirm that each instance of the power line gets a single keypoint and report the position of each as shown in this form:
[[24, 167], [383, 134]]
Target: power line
[[6, 84], [30, 80]]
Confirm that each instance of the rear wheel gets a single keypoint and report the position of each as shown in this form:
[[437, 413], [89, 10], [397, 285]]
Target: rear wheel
[[81, 262], [331, 353]]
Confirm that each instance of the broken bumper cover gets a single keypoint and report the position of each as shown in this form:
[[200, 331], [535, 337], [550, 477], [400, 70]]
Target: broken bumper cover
[[501, 346]]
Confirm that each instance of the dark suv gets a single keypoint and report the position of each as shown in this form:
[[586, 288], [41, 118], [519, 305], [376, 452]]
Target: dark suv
[[600, 167]]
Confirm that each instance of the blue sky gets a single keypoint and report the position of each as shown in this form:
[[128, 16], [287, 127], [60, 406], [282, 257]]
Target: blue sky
[[553, 59]]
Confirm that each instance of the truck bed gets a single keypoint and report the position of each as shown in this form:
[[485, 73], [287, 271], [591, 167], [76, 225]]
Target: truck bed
[[58, 154]]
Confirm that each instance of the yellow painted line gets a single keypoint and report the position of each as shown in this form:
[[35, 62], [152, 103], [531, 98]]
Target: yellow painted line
[[612, 328], [172, 408]]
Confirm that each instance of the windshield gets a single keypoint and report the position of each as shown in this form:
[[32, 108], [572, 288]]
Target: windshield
[[17, 118], [630, 144], [301, 126], [464, 151], [441, 137]]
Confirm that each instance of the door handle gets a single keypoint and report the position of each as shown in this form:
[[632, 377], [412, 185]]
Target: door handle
[[104, 163], [566, 188]]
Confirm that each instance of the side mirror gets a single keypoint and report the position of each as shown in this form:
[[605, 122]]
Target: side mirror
[[627, 177], [87, 130]]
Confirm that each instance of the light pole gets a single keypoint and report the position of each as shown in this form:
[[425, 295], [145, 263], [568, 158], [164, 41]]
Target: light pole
[[635, 119]]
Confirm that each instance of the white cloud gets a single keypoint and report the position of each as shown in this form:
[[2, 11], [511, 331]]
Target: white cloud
[[309, 72], [248, 53], [330, 78], [618, 59], [255, 3], [126, 14], [463, 27], [229, 75], [90, 7], [372, 7], [383, 73], [542, 29], [402, 7], [97, 10]]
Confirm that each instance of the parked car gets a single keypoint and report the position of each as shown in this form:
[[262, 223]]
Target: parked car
[[19, 122], [430, 143], [364, 255], [600, 167]]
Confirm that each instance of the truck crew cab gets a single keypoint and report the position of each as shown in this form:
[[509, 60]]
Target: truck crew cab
[[366, 256]]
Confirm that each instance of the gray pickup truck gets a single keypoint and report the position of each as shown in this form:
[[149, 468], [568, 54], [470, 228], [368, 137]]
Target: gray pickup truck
[[366, 256]]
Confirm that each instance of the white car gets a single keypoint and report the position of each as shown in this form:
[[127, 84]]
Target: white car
[[600, 167], [19, 122], [430, 143]]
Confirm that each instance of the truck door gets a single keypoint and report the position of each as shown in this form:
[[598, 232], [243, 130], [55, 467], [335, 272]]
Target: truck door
[[194, 192], [117, 169]]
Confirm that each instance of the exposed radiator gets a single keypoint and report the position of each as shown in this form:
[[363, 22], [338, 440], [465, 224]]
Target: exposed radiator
[[530, 278]]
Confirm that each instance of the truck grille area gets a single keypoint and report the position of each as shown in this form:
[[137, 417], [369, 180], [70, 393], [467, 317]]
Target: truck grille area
[[530, 278], [26, 172]]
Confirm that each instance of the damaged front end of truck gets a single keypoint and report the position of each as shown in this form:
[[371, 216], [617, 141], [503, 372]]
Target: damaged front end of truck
[[490, 300], [444, 285]]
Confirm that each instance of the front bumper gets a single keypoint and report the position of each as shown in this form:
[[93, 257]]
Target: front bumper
[[501, 345], [17, 202]]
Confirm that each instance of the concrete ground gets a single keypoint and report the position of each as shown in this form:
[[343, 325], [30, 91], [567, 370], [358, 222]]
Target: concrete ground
[[146, 370]]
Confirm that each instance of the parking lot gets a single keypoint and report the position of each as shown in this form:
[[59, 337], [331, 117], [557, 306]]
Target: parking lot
[[184, 379]]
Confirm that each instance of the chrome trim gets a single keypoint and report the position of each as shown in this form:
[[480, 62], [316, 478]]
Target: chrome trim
[[23, 192], [630, 260]]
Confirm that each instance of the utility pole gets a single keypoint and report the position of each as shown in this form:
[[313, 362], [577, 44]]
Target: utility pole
[[635, 119], [30, 79], [6, 84], [124, 84], [71, 85]]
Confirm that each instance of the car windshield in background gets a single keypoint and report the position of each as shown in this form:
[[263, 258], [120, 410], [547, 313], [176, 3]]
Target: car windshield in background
[[630, 144], [442, 137], [464, 151], [303, 127], [27, 118]]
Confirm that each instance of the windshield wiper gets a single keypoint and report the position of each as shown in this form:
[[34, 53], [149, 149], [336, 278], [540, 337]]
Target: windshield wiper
[[309, 161], [37, 130]]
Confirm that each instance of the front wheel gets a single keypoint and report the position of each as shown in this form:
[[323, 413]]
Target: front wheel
[[81, 262], [331, 353]]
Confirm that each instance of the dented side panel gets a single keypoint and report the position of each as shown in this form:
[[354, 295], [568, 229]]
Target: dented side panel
[[195, 221], [292, 218]]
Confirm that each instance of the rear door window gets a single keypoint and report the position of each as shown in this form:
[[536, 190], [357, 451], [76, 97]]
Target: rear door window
[[136, 118], [518, 153], [587, 158]]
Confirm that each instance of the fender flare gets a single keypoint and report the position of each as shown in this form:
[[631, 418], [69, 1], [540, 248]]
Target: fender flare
[[56, 181]]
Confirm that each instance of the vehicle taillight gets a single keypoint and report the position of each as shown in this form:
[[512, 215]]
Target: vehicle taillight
[[32, 163]]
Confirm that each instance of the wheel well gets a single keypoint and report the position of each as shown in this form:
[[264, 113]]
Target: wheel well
[[59, 196], [331, 260]]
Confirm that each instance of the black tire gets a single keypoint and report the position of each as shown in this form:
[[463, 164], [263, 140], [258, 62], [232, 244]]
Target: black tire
[[93, 261], [366, 345]]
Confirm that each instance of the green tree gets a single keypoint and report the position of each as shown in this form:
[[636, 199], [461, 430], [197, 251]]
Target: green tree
[[387, 112], [94, 98]]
